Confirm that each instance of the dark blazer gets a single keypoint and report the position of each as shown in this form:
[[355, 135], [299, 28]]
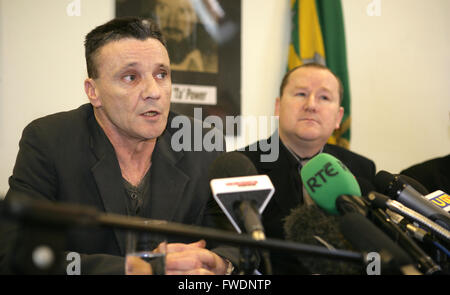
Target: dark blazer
[[288, 191], [67, 157], [434, 174]]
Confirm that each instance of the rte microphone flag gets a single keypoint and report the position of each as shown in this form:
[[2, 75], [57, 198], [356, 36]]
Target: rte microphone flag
[[325, 176]]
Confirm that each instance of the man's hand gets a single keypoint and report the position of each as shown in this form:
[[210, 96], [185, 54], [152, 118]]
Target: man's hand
[[193, 259], [136, 266]]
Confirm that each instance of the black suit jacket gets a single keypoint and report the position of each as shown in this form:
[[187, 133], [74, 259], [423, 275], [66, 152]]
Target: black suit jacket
[[434, 174], [66, 157], [289, 194]]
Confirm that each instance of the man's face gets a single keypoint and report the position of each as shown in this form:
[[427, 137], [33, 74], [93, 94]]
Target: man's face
[[309, 109], [176, 18], [132, 92]]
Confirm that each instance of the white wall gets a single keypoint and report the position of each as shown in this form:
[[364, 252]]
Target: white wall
[[42, 64], [398, 63]]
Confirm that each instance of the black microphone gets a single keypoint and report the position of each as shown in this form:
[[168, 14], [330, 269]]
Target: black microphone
[[311, 225], [243, 195], [241, 192], [351, 205], [248, 214], [386, 223], [414, 183], [381, 201], [366, 237], [399, 190]]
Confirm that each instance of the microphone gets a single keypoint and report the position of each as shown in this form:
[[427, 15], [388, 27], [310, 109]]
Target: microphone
[[396, 188], [398, 219], [335, 189], [242, 195], [440, 199], [381, 201], [366, 237], [414, 183], [332, 186], [325, 176], [240, 192], [311, 225], [400, 230]]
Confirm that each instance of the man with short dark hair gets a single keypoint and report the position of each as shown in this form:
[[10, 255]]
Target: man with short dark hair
[[116, 155], [309, 110]]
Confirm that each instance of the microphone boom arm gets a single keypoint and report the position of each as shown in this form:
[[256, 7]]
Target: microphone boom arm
[[52, 214]]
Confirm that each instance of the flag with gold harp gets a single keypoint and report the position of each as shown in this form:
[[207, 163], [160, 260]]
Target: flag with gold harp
[[318, 36]]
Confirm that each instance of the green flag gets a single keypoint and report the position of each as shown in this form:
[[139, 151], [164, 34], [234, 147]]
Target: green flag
[[318, 35]]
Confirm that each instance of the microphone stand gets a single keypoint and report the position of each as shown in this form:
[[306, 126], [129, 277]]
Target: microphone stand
[[60, 216]]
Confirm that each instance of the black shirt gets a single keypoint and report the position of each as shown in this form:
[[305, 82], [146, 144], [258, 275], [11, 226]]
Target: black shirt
[[137, 194]]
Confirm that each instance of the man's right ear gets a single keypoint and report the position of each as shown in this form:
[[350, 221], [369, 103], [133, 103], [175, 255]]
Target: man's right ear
[[277, 106], [91, 91]]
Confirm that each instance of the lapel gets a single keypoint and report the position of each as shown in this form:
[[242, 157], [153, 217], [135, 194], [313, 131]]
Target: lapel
[[329, 150], [167, 181], [107, 175], [285, 178]]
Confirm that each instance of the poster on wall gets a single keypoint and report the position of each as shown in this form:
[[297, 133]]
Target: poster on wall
[[204, 44]]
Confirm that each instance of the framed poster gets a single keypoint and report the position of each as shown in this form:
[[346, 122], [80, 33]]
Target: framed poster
[[204, 44]]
